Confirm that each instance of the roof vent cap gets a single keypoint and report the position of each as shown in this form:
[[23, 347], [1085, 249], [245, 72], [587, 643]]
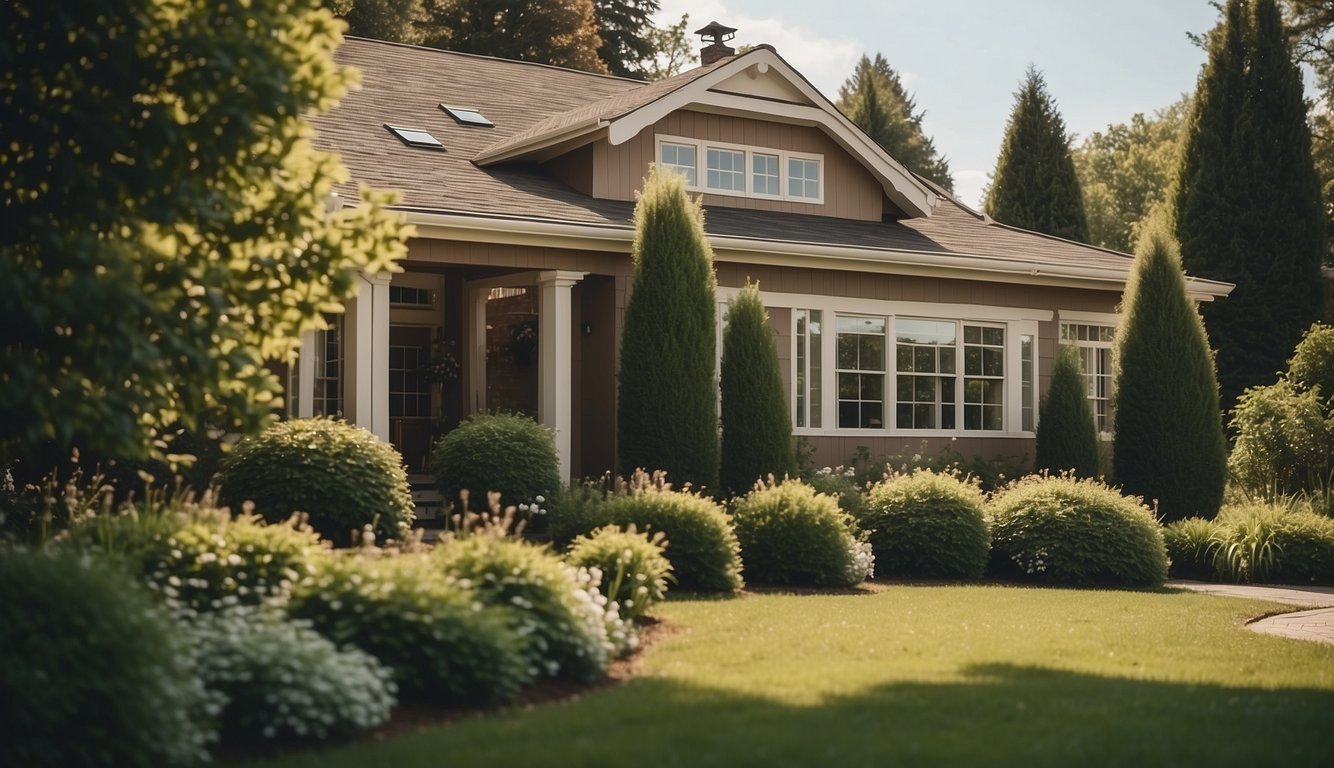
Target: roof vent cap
[[716, 35]]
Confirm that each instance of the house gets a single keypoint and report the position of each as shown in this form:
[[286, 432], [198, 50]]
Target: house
[[904, 319]]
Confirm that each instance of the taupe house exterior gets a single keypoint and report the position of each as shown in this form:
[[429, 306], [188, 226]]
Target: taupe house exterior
[[904, 320]]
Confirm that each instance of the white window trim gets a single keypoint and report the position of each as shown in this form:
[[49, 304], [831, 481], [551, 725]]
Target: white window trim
[[701, 168], [1105, 319]]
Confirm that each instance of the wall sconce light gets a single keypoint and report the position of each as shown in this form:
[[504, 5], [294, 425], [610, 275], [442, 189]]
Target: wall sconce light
[[587, 328]]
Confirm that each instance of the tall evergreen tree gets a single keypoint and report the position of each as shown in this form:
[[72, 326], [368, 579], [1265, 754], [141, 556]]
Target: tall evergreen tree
[[1169, 443], [667, 408], [559, 32], [1067, 433], [1035, 186], [1248, 206], [626, 27], [757, 426], [875, 100]]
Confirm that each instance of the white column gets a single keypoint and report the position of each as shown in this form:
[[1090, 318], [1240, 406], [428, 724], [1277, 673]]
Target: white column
[[305, 373], [555, 350], [367, 365]]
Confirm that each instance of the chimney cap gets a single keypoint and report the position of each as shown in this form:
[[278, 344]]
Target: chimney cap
[[718, 32]]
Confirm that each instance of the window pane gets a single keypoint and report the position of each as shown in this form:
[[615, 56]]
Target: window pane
[[679, 158], [904, 358], [726, 169], [993, 362], [803, 178], [872, 351], [847, 351], [764, 175]]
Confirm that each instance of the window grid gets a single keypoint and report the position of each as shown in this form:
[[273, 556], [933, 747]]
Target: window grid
[[725, 170], [328, 386], [410, 296], [1095, 353], [860, 368], [409, 392], [1026, 382], [680, 158], [984, 377], [764, 175], [803, 178], [925, 359], [722, 169], [809, 367]]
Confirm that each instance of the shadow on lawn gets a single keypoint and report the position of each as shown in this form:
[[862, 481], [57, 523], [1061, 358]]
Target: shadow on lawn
[[999, 715]]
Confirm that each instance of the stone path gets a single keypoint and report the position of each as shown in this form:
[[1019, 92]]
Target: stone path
[[1316, 624]]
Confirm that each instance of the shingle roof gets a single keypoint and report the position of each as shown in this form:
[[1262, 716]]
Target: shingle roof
[[404, 85]]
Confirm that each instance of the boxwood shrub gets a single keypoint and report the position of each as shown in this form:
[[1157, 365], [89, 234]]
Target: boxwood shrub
[[92, 671], [634, 569], [405, 611], [789, 534], [1060, 530], [927, 525], [342, 476], [503, 452]]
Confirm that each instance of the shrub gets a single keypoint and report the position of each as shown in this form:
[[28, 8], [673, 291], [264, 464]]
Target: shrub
[[442, 646], [704, 554], [1267, 543], [1060, 530], [1067, 435], [282, 680], [841, 483], [560, 611], [1312, 363], [756, 424], [1190, 547], [342, 476], [503, 452], [927, 525], [634, 570], [789, 534], [577, 509], [92, 672], [1285, 442]]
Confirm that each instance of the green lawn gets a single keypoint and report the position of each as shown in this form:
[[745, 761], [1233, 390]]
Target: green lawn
[[925, 675]]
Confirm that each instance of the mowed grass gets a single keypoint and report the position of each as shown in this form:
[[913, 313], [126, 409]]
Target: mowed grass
[[924, 675]]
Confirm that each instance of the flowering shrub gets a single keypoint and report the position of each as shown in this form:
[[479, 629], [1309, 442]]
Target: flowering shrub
[[1061, 530], [927, 525], [634, 570], [841, 483], [280, 679], [570, 629], [502, 452], [92, 672], [790, 534], [442, 643], [342, 476]]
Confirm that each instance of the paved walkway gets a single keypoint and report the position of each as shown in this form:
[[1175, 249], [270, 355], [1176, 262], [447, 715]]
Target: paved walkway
[[1316, 624]]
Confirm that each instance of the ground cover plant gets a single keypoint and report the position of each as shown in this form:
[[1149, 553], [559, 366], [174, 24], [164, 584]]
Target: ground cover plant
[[927, 525], [939, 675], [790, 534]]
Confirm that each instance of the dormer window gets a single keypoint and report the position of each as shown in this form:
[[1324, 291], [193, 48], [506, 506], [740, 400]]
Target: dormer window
[[744, 171]]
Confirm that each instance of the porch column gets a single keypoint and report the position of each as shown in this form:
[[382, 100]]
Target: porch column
[[367, 347], [555, 351], [305, 375]]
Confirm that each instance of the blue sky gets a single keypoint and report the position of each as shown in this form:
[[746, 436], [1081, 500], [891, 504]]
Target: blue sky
[[963, 59]]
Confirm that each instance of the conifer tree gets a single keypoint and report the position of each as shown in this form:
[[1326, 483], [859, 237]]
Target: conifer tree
[[875, 100], [626, 29], [1035, 186], [1247, 203], [757, 427], [1067, 433], [393, 20], [667, 412], [1169, 445], [562, 33]]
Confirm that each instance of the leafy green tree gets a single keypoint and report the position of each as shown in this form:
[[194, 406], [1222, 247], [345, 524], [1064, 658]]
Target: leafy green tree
[[626, 27], [1035, 185], [562, 33], [1169, 445], [1125, 172], [1067, 434], [667, 409], [757, 426], [874, 98], [392, 20], [673, 50], [165, 230], [1248, 206]]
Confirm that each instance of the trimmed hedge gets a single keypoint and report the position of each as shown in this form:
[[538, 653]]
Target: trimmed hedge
[[1059, 530], [503, 452], [927, 525], [342, 476], [789, 534]]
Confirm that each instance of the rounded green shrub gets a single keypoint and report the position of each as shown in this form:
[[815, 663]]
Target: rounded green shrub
[[502, 452], [1312, 363], [280, 680], [1190, 548], [92, 672], [841, 483], [342, 476], [404, 611], [570, 630], [1059, 530], [789, 534], [634, 570], [927, 525]]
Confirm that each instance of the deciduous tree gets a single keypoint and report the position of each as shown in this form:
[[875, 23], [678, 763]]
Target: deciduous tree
[[562, 33], [392, 20]]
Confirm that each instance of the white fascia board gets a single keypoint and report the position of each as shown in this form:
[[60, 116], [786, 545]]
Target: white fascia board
[[585, 130], [618, 239]]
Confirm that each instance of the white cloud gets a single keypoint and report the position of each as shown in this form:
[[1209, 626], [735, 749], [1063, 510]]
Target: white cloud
[[968, 186]]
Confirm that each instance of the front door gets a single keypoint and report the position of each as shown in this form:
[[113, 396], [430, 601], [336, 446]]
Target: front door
[[411, 410]]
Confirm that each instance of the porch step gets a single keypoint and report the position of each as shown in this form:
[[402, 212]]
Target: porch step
[[427, 504]]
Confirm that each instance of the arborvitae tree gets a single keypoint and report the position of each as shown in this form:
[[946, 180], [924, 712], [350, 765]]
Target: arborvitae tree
[[757, 427], [393, 20], [1067, 433], [1169, 445], [667, 409], [626, 27], [1035, 186], [874, 98], [1247, 203], [559, 32]]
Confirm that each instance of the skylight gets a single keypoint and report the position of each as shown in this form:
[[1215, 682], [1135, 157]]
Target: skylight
[[467, 116], [414, 137]]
